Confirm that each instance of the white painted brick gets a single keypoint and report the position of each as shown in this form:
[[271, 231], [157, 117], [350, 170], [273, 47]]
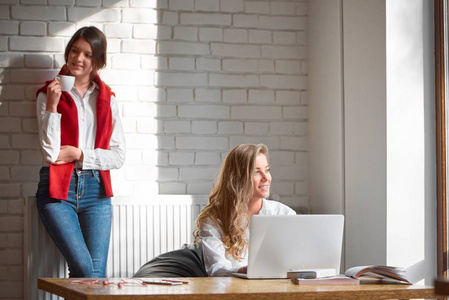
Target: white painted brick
[[92, 3], [201, 111], [288, 66], [4, 109], [266, 66], [281, 128], [11, 93], [230, 127], [284, 37], [11, 60], [245, 21], [304, 97], [155, 158], [232, 5], [181, 63], [10, 124], [199, 188], [198, 173], [38, 61], [281, 157], [181, 158], [294, 143], [58, 61], [167, 111], [235, 50], [186, 33], [139, 16], [10, 190], [302, 158], [260, 36], [256, 128], [242, 65], [210, 34], [302, 8], [177, 126], [207, 158], [181, 79], [173, 188], [4, 13], [184, 48], [4, 204], [22, 109], [22, 173], [25, 141], [208, 64], [271, 142], [150, 31], [125, 94], [261, 96], [204, 127], [179, 95], [283, 81], [141, 141], [152, 94], [302, 188], [226, 80], [139, 46], [125, 61], [151, 62], [136, 109], [141, 173], [31, 157], [300, 128], [149, 3], [301, 38], [4, 142], [145, 188], [207, 95], [282, 188], [61, 29], [283, 52], [170, 18], [304, 68], [29, 125], [168, 174], [298, 112], [38, 13], [9, 27], [19, 43], [118, 30], [282, 23], [205, 19], [236, 35], [122, 3], [201, 143], [283, 8], [128, 78], [257, 7], [4, 175], [207, 5], [77, 14], [258, 112], [146, 125], [288, 97], [235, 96], [290, 172], [181, 5]]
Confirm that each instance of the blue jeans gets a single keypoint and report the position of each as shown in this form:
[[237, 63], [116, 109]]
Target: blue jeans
[[80, 226]]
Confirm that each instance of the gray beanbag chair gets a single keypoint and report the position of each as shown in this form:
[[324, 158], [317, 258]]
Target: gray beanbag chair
[[185, 262]]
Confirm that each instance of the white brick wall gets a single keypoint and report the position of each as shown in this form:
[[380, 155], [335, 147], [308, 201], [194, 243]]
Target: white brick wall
[[194, 78]]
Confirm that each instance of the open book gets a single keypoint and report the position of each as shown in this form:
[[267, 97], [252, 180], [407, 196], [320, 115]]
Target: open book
[[376, 273]]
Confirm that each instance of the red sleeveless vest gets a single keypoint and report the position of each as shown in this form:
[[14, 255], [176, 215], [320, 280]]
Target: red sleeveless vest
[[60, 175]]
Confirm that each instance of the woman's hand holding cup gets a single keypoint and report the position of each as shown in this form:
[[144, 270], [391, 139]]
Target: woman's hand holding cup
[[55, 88]]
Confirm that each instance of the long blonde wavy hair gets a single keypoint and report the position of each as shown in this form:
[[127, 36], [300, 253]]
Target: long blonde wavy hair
[[228, 200]]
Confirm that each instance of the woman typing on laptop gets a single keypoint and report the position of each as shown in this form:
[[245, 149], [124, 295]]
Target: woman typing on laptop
[[240, 192]]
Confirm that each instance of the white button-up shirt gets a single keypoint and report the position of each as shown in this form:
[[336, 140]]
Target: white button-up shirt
[[49, 126]]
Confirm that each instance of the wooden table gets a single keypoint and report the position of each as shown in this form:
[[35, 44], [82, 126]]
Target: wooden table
[[231, 288]]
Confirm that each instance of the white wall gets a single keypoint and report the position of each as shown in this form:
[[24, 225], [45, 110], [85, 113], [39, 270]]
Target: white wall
[[385, 70], [193, 78]]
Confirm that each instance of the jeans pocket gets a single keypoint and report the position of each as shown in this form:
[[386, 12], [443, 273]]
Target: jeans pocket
[[96, 175]]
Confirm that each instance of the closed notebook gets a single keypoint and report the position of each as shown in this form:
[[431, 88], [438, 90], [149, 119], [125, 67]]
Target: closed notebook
[[331, 280]]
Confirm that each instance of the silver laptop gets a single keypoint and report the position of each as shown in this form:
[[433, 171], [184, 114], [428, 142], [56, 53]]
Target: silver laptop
[[278, 244]]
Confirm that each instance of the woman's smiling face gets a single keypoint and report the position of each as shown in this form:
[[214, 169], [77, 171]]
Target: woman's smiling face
[[261, 178], [79, 60]]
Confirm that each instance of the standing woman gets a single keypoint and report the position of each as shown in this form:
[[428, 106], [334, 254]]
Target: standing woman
[[241, 191], [81, 139]]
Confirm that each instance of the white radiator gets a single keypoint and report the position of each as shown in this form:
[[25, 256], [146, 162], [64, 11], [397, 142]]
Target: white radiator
[[140, 231]]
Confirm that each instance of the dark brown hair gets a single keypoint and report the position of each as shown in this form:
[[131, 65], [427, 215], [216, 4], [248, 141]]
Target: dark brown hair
[[97, 40]]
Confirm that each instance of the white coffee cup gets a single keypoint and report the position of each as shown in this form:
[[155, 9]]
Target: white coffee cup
[[66, 82]]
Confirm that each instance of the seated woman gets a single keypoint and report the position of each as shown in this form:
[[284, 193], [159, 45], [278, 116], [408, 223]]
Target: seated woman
[[222, 233]]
